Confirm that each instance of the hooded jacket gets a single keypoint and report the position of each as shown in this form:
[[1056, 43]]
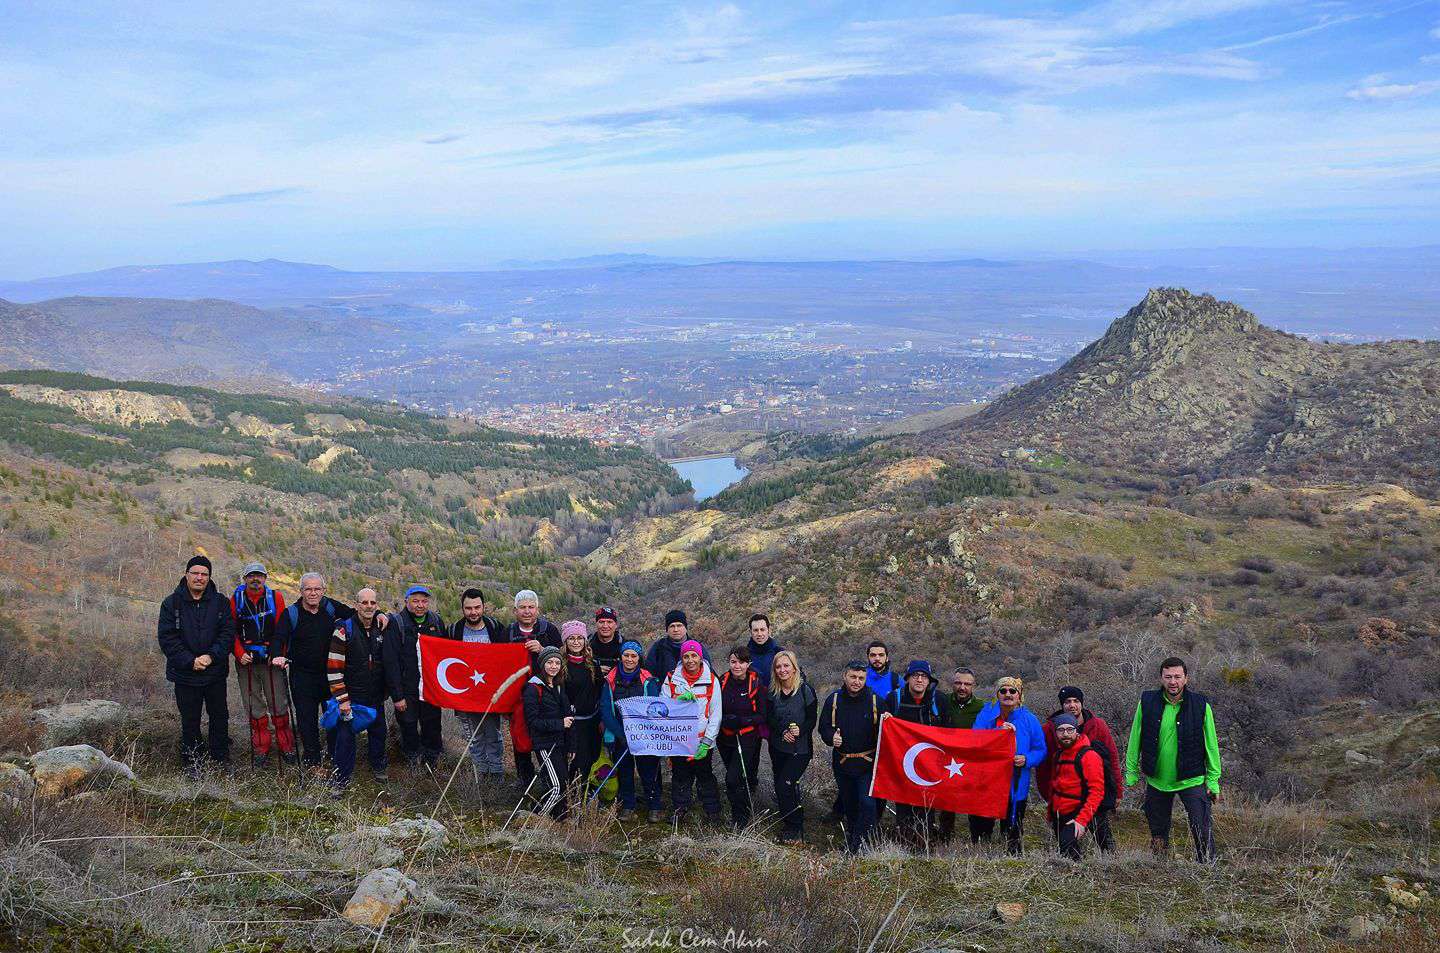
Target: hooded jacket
[[706, 691], [1029, 741], [745, 703], [762, 658], [1077, 781], [932, 709], [190, 627], [545, 711], [1101, 740]]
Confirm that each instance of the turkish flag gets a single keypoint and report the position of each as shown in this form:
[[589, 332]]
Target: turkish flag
[[472, 676], [953, 769]]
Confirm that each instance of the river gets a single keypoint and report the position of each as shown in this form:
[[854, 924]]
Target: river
[[709, 475]]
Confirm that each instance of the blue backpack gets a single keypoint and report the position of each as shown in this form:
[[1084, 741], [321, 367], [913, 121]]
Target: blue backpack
[[244, 614], [292, 612]]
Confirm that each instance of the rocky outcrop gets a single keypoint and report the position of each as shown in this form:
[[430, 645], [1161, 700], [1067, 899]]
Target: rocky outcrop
[[77, 721], [382, 894], [128, 408], [74, 768]]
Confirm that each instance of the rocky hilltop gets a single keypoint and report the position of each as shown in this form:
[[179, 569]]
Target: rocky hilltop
[[1188, 384]]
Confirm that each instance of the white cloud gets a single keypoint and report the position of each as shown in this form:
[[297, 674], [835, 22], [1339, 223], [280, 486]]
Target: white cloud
[[1376, 89]]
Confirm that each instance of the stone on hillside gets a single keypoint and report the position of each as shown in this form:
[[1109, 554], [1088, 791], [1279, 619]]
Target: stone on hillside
[[1008, 911], [59, 771], [76, 721], [382, 894], [1355, 757], [1397, 893], [15, 782], [385, 846], [1360, 928]]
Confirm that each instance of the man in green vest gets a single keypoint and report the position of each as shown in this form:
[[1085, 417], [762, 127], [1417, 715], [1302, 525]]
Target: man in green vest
[[1173, 743], [964, 706]]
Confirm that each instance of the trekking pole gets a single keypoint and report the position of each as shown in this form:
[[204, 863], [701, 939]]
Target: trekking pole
[[745, 774], [249, 713], [523, 796]]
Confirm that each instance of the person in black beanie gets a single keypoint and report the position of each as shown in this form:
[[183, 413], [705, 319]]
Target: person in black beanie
[[605, 642], [196, 631], [664, 655]]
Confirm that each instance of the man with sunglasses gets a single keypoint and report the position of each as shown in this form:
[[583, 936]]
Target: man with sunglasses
[[1008, 711]]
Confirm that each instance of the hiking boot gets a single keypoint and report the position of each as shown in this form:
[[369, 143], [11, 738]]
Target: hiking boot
[[289, 758], [657, 816], [380, 775], [625, 814], [262, 761], [1159, 846]]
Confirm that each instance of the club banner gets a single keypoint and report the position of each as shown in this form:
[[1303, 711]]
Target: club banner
[[472, 676], [954, 769], [666, 727]]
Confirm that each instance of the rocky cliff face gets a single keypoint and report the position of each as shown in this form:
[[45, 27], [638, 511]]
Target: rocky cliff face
[[1186, 383]]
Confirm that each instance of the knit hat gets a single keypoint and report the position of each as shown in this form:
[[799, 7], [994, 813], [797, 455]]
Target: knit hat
[[548, 652], [1062, 720], [198, 560], [1011, 681], [630, 645], [673, 616], [605, 612], [574, 627], [527, 595], [417, 590], [919, 665], [1070, 691], [690, 645], [252, 568]]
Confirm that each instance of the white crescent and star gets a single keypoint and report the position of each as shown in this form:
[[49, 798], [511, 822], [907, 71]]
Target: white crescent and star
[[955, 768], [476, 678]]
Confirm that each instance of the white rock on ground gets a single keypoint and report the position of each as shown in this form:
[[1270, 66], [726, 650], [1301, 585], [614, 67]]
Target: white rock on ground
[[386, 846], [381, 895], [59, 771], [16, 782], [76, 720]]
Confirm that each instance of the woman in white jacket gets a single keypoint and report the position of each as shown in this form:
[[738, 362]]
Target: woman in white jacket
[[693, 680]]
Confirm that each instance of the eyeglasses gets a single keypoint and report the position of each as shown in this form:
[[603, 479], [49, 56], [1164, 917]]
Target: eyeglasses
[[1008, 691]]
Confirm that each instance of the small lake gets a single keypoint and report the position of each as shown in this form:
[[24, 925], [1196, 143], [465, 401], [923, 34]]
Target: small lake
[[709, 475]]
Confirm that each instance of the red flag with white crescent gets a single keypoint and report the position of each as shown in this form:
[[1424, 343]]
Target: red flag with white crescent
[[963, 770], [472, 676]]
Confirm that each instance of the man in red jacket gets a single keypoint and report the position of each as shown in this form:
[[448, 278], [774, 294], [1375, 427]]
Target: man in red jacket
[[1094, 728], [1077, 784]]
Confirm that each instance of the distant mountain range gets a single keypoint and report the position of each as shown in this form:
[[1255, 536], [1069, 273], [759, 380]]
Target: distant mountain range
[[1370, 293], [1185, 383]]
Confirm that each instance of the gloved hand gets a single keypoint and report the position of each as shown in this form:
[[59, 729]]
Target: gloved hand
[[703, 750], [686, 696]]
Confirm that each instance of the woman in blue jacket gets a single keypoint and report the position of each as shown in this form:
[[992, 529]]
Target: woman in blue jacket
[[629, 680], [1008, 711]]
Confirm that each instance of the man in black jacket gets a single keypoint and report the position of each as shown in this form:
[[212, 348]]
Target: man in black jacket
[[302, 647], [918, 701], [850, 723], [196, 631], [359, 675], [419, 720], [537, 632]]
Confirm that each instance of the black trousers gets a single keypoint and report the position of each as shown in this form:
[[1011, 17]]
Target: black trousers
[[551, 782], [1159, 808], [420, 731], [584, 747], [308, 693], [691, 777], [982, 828], [789, 769], [191, 700], [1070, 846], [741, 754], [1100, 824], [859, 808]]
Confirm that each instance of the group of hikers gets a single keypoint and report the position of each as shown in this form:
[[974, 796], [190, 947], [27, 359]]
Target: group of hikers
[[308, 667]]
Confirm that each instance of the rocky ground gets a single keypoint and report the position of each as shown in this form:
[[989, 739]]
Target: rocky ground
[[97, 856]]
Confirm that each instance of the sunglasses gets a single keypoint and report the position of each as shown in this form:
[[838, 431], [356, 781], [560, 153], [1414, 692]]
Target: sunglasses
[[1008, 691]]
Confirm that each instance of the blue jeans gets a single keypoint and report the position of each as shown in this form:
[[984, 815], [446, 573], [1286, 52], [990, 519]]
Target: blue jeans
[[344, 737], [649, 768], [482, 732], [859, 808]]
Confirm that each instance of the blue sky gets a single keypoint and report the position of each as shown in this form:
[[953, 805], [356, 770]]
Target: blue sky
[[431, 135]]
